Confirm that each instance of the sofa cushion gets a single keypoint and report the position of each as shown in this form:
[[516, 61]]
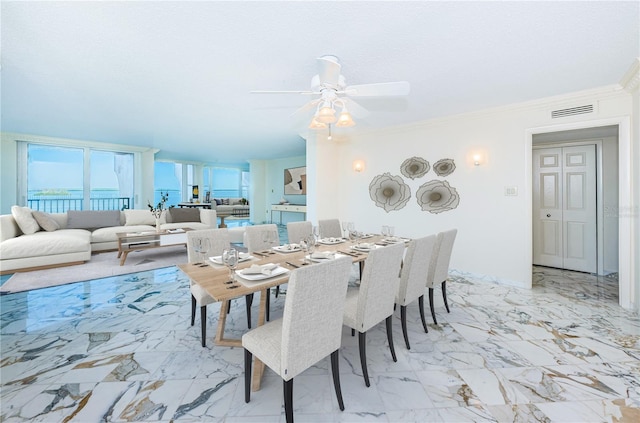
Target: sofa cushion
[[177, 215], [45, 220], [91, 219], [218, 201], [142, 217], [109, 234], [43, 243], [225, 202], [25, 220]]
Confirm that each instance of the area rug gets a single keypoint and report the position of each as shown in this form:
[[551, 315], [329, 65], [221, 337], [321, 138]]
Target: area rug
[[101, 265]]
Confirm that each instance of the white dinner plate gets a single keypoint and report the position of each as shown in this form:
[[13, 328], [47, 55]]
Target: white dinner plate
[[364, 249], [242, 257], [286, 248], [330, 241], [323, 259], [259, 276]]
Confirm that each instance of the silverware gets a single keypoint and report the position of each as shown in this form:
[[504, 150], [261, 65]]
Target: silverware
[[291, 264], [260, 254]]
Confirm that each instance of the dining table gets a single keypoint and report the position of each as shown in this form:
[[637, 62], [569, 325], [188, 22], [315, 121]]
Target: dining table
[[214, 277]]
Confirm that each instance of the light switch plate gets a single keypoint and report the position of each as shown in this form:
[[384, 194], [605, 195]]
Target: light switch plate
[[510, 191]]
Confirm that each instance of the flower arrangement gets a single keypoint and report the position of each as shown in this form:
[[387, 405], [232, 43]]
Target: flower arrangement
[[157, 210]]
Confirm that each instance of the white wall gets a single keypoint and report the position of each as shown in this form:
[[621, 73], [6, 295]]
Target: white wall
[[494, 238]]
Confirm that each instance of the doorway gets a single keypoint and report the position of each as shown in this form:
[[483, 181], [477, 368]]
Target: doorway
[[605, 140]]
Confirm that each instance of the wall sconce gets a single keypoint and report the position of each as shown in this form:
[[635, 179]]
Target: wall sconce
[[358, 165], [477, 159]]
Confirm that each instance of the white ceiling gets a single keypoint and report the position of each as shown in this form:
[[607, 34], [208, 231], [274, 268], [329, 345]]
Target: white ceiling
[[177, 75]]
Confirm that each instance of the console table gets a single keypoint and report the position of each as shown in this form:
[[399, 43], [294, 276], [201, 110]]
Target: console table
[[291, 208]]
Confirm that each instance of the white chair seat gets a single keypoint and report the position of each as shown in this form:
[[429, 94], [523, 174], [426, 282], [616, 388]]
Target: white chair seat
[[351, 308], [267, 340], [201, 296]]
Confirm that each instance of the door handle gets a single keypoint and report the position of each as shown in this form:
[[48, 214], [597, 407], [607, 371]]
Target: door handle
[[548, 214]]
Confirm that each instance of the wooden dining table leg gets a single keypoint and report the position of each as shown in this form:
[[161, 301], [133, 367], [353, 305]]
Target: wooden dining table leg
[[258, 366]]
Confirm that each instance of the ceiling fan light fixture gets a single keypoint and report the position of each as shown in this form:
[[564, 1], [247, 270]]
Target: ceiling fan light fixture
[[326, 114], [345, 120], [315, 124]]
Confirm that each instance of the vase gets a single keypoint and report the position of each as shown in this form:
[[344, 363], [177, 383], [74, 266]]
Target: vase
[[157, 224]]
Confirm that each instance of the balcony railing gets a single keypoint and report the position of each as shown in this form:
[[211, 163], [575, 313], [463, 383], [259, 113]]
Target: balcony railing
[[61, 205]]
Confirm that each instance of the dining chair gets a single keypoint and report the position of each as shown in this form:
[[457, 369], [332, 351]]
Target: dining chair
[[255, 240], [330, 228], [374, 300], [310, 328], [439, 267], [219, 241], [415, 266], [299, 230]]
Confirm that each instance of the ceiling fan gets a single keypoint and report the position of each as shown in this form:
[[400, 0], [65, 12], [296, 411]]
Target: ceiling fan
[[332, 92]]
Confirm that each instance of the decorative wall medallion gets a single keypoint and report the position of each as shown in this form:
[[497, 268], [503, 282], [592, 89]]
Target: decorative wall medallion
[[389, 192], [415, 167], [444, 167], [437, 197]]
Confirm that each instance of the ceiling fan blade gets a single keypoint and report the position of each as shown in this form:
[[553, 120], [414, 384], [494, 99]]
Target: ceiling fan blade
[[303, 114], [306, 92], [378, 90], [329, 70], [355, 109]]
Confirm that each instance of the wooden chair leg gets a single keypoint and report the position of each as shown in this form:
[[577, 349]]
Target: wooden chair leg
[[288, 400], [248, 299], [421, 307], [390, 338], [433, 312], [247, 375], [203, 325], [228, 306], [335, 372], [193, 310], [362, 344], [444, 294], [403, 321]]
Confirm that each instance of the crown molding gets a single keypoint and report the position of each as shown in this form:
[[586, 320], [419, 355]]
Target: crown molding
[[631, 80]]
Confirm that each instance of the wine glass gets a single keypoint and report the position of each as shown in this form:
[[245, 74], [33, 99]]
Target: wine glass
[[311, 245], [230, 259], [304, 246], [205, 248], [392, 231], [197, 248], [345, 229], [385, 231], [316, 232]]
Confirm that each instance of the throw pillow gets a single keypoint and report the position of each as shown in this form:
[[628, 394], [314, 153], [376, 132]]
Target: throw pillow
[[179, 215], [142, 217], [25, 220], [45, 220], [225, 201], [92, 219], [218, 201]]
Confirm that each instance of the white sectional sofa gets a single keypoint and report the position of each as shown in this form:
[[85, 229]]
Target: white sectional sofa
[[71, 237], [230, 207]]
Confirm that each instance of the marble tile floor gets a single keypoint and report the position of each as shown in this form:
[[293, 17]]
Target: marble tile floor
[[122, 349]]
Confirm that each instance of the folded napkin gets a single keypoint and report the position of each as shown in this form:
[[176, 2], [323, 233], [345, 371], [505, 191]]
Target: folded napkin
[[289, 247], [256, 269], [243, 256], [323, 255], [331, 239]]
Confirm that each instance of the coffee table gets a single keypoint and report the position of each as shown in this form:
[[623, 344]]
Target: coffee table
[[134, 241]]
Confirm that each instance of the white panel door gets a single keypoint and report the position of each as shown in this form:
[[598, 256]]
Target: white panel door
[[547, 207], [579, 214], [564, 208]]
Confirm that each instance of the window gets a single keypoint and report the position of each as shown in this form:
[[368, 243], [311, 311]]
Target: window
[[76, 178], [226, 182], [168, 178]]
